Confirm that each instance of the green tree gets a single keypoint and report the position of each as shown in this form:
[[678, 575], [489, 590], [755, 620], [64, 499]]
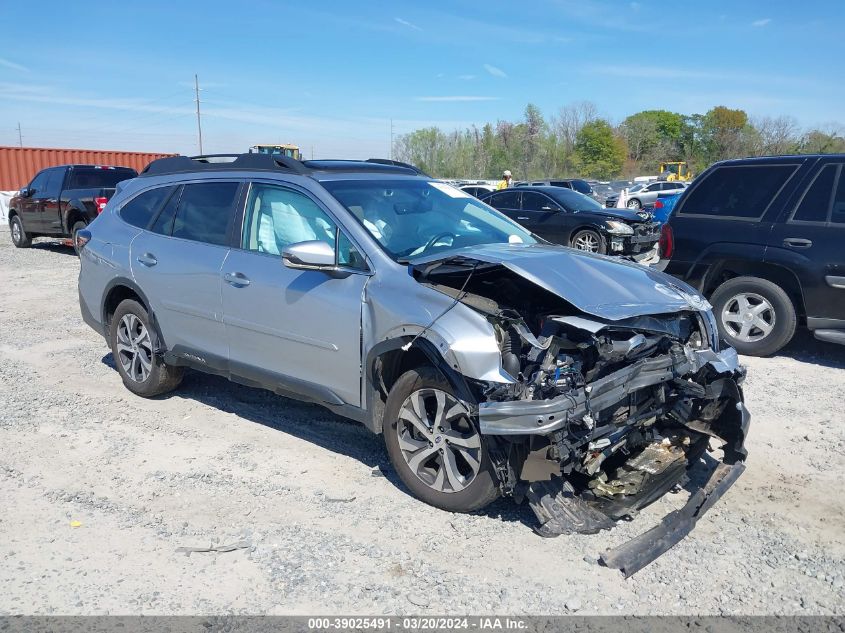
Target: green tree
[[600, 153]]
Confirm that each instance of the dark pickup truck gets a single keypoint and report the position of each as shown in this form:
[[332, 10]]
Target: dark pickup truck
[[62, 200]]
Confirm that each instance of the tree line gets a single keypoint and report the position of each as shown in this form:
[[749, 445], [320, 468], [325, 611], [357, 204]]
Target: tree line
[[577, 141]]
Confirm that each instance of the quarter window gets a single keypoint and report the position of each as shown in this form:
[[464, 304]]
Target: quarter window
[[205, 212], [815, 203], [737, 191], [837, 214], [141, 209]]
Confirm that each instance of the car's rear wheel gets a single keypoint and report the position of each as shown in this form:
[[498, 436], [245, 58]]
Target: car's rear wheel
[[634, 204], [133, 344], [434, 444], [590, 241], [754, 315], [19, 237], [77, 226]]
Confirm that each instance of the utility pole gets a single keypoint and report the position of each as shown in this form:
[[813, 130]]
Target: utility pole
[[20, 138], [391, 139], [199, 125]]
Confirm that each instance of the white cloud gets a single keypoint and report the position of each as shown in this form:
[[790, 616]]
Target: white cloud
[[457, 98], [466, 77], [410, 25], [496, 72], [763, 22], [7, 64]]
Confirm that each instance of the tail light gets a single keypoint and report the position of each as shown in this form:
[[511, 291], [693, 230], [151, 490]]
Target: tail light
[[666, 243], [100, 203], [658, 204], [81, 238]]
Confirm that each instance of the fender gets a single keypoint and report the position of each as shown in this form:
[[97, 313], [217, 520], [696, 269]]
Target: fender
[[160, 344], [708, 265], [371, 397]]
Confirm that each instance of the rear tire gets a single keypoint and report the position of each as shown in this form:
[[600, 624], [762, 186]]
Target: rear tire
[[77, 226], [634, 204], [755, 316], [19, 237], [459, 475], [133, 343]]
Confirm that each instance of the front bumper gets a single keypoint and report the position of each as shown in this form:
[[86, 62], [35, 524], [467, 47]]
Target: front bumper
[[541, 417]]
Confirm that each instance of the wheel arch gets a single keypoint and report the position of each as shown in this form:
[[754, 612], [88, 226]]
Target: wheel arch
[[120, 289], [388, 360], [724, 270], [71, 215]]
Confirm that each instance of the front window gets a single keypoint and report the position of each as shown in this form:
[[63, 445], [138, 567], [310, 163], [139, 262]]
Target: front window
[[414, 218]]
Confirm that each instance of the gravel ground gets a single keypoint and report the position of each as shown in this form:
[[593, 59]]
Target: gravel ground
[[100, 488]]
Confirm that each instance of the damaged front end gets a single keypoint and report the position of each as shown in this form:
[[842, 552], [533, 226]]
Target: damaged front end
[[603, 415]]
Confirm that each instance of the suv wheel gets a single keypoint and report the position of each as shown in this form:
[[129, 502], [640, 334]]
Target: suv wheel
[[754, 315], [19, 237], [635, 204], [77, 226], [435, 446], [133, 344], [589, 241]]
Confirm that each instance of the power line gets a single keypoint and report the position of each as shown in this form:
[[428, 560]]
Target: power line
[[199, 125]]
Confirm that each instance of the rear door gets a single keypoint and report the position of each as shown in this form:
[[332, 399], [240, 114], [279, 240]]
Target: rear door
[[507, 202], [809, 238], [298, 329], [177, 263]]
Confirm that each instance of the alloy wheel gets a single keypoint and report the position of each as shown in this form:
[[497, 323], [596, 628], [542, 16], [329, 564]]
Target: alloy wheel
[[586, 242], [16, 231], [748, 317], [438, 441], [134, 348]]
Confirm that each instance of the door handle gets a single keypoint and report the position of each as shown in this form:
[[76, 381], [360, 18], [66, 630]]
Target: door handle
[[521, 217], [797, 242], [238, 280], [147, 259]]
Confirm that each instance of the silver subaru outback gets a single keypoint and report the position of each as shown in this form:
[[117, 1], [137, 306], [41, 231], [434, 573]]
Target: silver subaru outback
[[494, 364]]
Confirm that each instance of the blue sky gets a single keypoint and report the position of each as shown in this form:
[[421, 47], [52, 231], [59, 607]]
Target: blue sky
[[330, 75]]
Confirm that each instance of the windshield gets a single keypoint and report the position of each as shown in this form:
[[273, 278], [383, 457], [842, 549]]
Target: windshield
[[412, 218], [636, 188], [574, 201]]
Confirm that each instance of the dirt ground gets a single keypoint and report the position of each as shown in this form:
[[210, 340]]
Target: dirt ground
[[99, 489]]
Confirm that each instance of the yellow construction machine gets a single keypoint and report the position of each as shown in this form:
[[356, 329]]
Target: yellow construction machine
[[285, 149], [675, 171]]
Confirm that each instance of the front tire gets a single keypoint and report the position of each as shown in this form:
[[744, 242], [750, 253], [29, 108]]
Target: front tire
[[19, 237], [435, 446], [133, 344], [589, 241], [754, 315], [634, 204]]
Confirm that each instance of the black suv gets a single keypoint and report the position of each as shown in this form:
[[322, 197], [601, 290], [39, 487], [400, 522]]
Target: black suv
[[564, 216], [764, 239]]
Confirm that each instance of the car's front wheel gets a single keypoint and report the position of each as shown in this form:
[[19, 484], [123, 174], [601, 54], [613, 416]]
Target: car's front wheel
[[590, 241], [754, 315], [133, 343], [19, 237], [435, 445], [634, 204]]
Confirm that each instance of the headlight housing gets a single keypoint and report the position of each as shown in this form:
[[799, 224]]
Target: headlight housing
[[615, 227]]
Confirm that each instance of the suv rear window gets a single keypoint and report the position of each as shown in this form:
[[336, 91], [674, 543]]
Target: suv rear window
[[737, 191], [140, 209], [102, 178], [205, 212]]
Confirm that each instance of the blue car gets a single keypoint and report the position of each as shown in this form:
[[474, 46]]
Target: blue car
[[663, 206]]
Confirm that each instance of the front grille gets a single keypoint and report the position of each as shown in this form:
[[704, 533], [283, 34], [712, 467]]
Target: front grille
[[648, 229]]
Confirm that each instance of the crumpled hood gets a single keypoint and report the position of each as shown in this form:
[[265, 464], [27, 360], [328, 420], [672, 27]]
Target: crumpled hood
[[602, 286]]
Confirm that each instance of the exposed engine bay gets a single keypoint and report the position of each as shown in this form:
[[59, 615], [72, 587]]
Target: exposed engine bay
[[614, 412]]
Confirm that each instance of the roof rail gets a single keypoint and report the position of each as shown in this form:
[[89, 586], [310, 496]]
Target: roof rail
[[397, 163], [223, 162]]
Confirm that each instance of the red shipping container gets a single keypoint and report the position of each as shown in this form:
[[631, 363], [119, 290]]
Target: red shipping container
[[18, 165]]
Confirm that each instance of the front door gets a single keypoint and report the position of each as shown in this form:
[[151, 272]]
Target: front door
[[299, 329], [30, 208], [541, 215], [49, 210]]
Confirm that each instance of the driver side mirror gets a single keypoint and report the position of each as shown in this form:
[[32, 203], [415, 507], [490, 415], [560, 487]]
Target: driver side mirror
[[310, 255], [26, 192]]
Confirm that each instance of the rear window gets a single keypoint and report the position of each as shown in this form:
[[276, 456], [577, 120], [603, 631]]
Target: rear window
[[140, 209], [816, 201], [98, 178], [582, 186], [737, 191]]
